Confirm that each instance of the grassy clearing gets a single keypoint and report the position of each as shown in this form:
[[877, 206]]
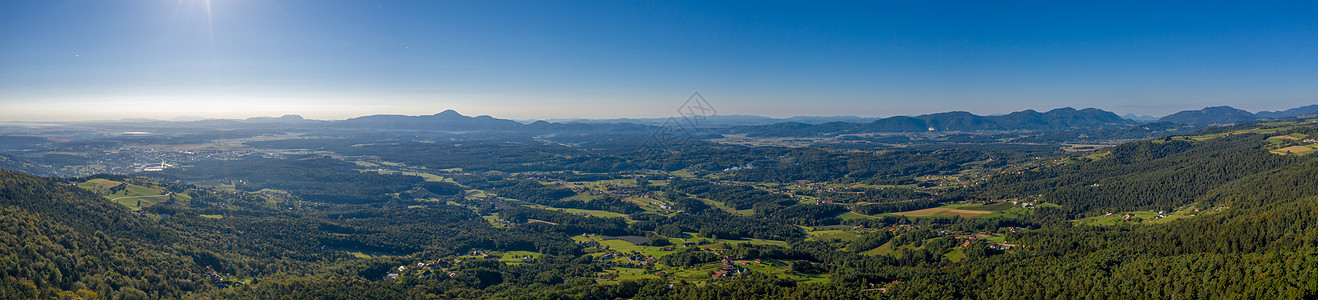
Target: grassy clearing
[[956, 255], [1297, 150], [845, 235], [430, 177], [494, 221], [943, 211], [756, 242], [620, 274], [98, 183], [140, 202], [515, 257], [991, 210], [1010, 213], [996, 206], [1083, 147], [697, 274], [604, 184], [726, 208], [213, 216], [1269, 128], [360, 255], [476, 194], [1279, 138], [851, 216], [885, 249], [649, 205], [682, 173], [1097, 155], [625, 246], [622, 245], [595, 213], [133, 196], [1144, 217]]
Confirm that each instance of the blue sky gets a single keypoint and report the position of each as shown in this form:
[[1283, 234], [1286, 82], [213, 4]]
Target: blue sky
[[70, 60]]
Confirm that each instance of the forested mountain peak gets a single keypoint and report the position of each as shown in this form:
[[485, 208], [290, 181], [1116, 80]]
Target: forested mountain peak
[[1210, 115], [1294, 112], [1059, 119], [448, 120]]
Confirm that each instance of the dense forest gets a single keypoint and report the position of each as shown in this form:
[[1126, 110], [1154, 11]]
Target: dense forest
[[1219, 213]]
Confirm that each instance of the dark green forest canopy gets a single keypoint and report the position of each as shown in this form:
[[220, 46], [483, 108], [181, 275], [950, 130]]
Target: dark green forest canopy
[[1214, 214]]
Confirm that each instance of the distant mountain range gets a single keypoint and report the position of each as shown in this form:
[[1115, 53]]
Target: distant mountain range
[[727, 120], [1294, 112], [447, 120], [1230, 115], [1139, 118], [1061, 119], [1054, 120]]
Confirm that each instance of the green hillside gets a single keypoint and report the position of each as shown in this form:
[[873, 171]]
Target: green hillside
[[1217, 214]]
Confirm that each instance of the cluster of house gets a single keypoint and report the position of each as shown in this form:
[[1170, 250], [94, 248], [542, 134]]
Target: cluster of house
[[214, 276], [1161, 214], [1028, 201], [1000, 246], [966, 238], [484, 255], [218, 281], [883, 287], [423, 269], [664, 208], [730, 269]]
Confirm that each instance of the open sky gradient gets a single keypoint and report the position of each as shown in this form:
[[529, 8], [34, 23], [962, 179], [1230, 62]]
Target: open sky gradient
[[79, 60]]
